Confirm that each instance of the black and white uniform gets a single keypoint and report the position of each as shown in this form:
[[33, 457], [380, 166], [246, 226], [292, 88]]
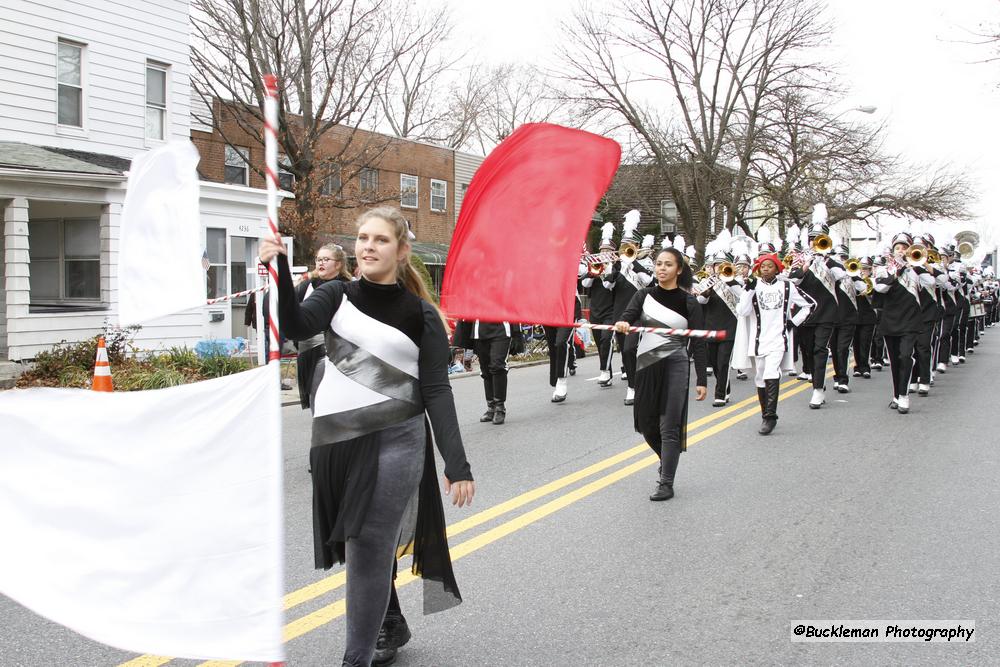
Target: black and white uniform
[[721, 316], [842, 335], [625, 280], [601, 312], [864, 334], [491, 342], [560, 344], [899, 298], [928, 318], [375, 489], [820, 283], [663, 370], [949, 301]]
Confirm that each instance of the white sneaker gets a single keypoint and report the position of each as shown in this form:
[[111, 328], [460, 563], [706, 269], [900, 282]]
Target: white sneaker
[[806, 376], [941, 368], [913, 386], [954, 360], [629, 396], [903, 405], [818, 398], [792, 373], [604, 379], [562, 388], [624, 375], [836, 386], [923, 389], [719, 402]]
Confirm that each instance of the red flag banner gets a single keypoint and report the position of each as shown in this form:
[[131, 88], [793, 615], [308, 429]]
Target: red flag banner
[[516, 247]]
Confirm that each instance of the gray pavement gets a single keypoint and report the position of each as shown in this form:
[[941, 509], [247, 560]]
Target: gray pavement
[[850, 512]]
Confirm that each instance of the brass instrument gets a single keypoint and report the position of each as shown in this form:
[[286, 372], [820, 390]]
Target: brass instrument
[[701, 275], [965, 243], [822, 244], [644, 253], [628, 250], [726, 270], [869, 286], [916, 255], [933, 256], [853, 267], [595, 269]]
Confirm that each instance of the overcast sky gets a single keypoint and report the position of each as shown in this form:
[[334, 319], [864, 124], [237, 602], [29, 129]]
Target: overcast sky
[[904, 57]]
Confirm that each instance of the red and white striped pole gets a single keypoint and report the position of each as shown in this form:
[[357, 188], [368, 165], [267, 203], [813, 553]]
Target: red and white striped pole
[[271, 172]]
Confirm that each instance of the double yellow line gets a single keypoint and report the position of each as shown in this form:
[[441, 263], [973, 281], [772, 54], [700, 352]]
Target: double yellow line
[[729, 416]]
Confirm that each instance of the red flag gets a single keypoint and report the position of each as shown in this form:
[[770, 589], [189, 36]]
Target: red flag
[[516, 247]]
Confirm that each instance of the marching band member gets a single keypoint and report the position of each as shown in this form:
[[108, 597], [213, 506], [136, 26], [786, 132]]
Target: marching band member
[[847, 321], [901, 322], [867, 319], [560, 344], [491, 342], [719, 302], [948, 287], [958, 338], [762, 335], [817, 276], [628, 277], [920, 380], [742, 264], [663, 369], [601, 306]]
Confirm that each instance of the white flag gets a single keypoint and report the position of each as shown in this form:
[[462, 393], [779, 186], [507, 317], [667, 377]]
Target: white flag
[[159, 265], [150, 521]]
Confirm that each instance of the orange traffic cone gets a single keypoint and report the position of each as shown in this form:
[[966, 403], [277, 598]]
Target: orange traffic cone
[[102, 369]]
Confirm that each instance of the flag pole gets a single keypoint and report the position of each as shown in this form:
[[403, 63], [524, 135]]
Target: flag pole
[[687, 333], [271, 173]]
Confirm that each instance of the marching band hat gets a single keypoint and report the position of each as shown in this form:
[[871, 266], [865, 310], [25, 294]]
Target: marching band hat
[[902, 237]]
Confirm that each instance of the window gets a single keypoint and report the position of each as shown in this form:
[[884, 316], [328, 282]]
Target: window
[[286, 179], [156, 101], [237, 159], [215, 246], [69, 81], [65, 257], [332, 184], [439, 195], [407, 191], [668, 216], [368, 180]]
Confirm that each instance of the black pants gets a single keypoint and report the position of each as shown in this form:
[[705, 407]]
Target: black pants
[[878, 346], [667, 441], [841, 338], [958, 336], [719, 355], [900, 349], [492, 354], [944, 342], [863, 336], [605, 349], [815, 341], [559, 340], [628, 344], [921, 372]]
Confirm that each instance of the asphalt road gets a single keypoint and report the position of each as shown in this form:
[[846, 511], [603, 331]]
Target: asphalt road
[[849, 512]]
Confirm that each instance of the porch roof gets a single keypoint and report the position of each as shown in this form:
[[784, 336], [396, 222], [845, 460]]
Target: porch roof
[[17, 155]]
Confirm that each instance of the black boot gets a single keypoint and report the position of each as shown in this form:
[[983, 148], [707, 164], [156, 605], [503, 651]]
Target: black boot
[[664, 491], [770, 410], [499, 412], [393, 634], [490, 403], [762, 399], [490, 412]]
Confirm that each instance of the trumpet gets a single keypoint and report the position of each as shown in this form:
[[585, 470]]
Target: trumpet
[[595, 269], [726, 270], [822, 244], [853, 267], [628, 250], [916, 255]]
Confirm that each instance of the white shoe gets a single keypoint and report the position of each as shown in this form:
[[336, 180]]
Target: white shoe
[[719, 402], [954, 360], [941, 368], [559, 395], [913, 386], [792, 373], [806, 376], [629, 396], [923, 389], [604, 379], [624, 375], [818, 398], [837, 386], [903, 405], [709, 371]]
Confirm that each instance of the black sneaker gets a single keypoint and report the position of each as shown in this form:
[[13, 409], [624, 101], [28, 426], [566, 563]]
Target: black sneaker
[[393, 634]]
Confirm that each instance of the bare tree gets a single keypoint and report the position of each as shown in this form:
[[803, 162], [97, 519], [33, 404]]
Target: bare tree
[[807, 154], [331, 57], [513, 95], [690, 79]]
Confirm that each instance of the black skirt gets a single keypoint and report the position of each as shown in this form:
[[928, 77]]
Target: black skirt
[[344, 476]]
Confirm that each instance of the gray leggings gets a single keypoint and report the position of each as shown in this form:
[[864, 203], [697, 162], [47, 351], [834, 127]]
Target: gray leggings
[[370, 556]]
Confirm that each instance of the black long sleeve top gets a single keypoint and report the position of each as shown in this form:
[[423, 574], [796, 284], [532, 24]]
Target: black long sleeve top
[[395, 306], [691, 310]]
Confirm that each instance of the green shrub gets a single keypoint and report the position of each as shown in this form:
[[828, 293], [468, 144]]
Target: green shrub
[[217, 365]]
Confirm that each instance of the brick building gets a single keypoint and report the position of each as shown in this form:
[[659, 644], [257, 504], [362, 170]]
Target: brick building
[[359, 169]]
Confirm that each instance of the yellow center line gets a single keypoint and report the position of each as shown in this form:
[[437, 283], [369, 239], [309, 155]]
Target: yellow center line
[[330, 612]]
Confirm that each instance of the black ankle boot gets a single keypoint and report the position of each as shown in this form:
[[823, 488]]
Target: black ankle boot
[[393, 634], [767, 426], [499, 412], [664, 491], [490, 412]]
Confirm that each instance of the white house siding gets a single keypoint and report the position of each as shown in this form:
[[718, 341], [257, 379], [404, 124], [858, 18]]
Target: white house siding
[[466, 165], [239, 210], [120, 36]]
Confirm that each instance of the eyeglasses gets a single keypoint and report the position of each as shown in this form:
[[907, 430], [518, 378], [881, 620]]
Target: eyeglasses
[[324, 260]]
